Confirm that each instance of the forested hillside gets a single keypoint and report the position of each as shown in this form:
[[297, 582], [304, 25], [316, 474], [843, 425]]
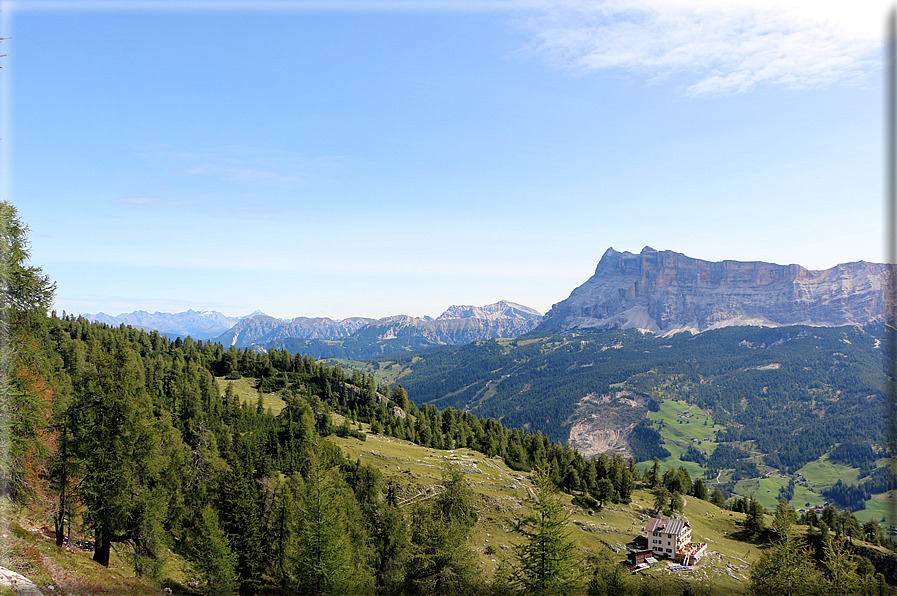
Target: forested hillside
[[829, 380], [124, 436], [789, 395]]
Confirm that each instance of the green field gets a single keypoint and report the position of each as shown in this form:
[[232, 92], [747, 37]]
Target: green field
[[822, 473], [684, 424]]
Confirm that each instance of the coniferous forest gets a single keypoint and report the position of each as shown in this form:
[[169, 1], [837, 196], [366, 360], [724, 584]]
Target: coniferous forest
[[126, 434], [126, 437]]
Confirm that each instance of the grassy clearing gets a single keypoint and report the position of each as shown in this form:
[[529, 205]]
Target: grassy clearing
[[822, 473], [502, 493], [246, 391], [387, 371], [803, 495], [877, 509], [684, 424]]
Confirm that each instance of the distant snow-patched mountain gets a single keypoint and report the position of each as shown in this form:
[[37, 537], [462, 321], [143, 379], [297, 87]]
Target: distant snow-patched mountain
[[203, 325], [666, 292]]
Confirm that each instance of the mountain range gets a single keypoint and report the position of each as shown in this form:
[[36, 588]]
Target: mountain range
[[205, 324], [325, 337], [662, 292]]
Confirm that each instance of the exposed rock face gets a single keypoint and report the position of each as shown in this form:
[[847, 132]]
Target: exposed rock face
[[446, 331], [604, 423], [457, 325], [261, 329], [666, 292], [492, 312]]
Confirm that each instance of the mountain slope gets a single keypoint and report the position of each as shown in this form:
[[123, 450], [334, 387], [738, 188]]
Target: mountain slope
[[793, 392], [666, 292]]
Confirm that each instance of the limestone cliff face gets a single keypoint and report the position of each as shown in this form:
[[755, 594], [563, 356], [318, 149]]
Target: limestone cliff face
[[666, 292]]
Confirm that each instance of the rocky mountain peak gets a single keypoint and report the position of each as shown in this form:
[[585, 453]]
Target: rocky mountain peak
[[503, 309], [665, 292]]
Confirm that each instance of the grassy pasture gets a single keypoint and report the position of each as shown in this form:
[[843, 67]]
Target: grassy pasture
[[679, 431], [501, 495], [822, 473]]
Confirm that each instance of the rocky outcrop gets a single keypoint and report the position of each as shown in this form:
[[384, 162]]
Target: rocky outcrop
[[445, 331], [603, 423], [884, 563], [666, 292]]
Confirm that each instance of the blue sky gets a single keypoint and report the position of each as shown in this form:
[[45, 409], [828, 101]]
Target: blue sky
[[376, 158]]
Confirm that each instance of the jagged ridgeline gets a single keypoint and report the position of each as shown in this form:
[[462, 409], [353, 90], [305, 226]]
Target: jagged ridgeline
[[143, 448]]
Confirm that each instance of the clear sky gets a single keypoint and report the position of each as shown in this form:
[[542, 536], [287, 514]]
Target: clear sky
[[375, 158]]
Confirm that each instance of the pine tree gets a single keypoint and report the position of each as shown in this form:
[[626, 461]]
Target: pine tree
[[546, 562], [211, 556], [754, 521], [661, 499]]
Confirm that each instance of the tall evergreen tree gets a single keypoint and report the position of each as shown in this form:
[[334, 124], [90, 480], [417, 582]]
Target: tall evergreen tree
[[547, 563], [115, 439], [241, 522], [441, 561], [785, 569], [210, 554], [323, 561]]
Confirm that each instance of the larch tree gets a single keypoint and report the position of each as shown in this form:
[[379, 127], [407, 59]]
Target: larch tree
[[785, 569], [547, 561], [26, 397], [323, 560], [441, 561]]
